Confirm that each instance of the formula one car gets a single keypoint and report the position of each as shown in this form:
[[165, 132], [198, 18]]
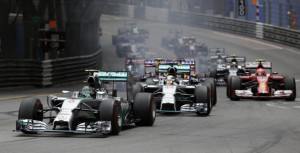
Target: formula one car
[[190, 48], [216, 56], [135, 66], [175, 91], [93, 110], [234, 66], [151, 66], [131, 32], [173, 39], [260, 84], [133, 50]]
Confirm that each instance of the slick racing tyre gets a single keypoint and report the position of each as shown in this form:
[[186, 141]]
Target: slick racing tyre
[[213, 73], [290, 84], [202, 96], [234, 85], [136, 89], [213, 90], [114, 40], [200, 75], [110, 110], [228, 87], [207, 74], [149, 81], [144, 109], [30, 108]]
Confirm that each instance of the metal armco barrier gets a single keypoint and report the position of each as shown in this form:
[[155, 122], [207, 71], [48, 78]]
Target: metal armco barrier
[[35, 73], [20, 73], [245, 28], [69, 69]]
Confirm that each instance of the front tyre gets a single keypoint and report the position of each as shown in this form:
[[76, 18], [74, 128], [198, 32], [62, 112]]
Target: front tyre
[[203, 96], [290, 84], [235, 84], [30, 108], [110, 110]]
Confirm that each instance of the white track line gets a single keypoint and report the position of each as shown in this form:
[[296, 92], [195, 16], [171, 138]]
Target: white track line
[[252, 40], [293, 51], [297, 80], [276, 106]]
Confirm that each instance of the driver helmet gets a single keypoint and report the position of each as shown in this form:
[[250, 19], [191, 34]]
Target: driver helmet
[[260, 72], [172, 71], [234, 63], [170, 80], [87, 92], [219, 61], [129, 68]]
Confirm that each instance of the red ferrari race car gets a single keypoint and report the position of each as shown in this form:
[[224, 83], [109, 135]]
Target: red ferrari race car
[[261, 85]]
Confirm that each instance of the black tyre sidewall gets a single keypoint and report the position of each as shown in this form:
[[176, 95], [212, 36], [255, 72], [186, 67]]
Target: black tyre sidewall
[[235, 85], [143, 109], [29, 109], [108, 111], [203, 95], [290, 84]]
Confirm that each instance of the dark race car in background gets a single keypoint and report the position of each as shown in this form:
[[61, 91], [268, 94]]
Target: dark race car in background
[[233, 66], [130, 33]]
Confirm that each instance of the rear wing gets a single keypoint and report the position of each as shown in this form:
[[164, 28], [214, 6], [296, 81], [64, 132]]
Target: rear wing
[[216, 57], [134, 61], [214, 51], [163, 68], [241, 60], [121, 76], [152, 63], [254, 65]]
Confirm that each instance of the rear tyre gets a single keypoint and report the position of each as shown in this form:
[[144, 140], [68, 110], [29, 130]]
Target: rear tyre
[[213, 73], [207, 74], [213, 90], [114, 40], [144, 109], [202, 96], [149, 81], [201, 75], [235, 85], [30, 108], [136, 89], [290, 84], [110, 110], [228, 87]]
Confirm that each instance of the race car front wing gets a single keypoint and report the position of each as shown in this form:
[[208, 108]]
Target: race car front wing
[[35, 126], [276, 94]]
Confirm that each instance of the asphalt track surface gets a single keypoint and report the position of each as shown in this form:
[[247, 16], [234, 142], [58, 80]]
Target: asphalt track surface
[[246, 126]]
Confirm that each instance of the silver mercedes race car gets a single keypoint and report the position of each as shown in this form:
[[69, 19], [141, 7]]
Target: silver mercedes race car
[[94, 109], [175, 91]]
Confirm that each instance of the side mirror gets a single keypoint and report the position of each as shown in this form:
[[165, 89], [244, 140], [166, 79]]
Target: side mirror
[[274, 72], [65, 92], [247, 73], [114, 93]]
